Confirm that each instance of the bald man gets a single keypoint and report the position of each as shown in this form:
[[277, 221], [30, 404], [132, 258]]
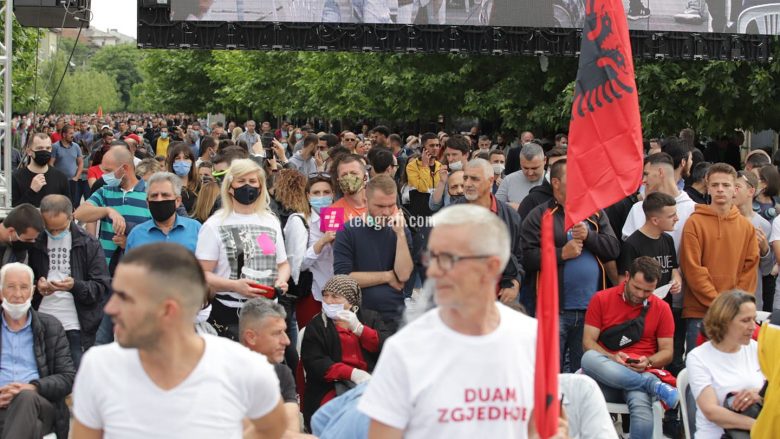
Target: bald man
[[119, 205]]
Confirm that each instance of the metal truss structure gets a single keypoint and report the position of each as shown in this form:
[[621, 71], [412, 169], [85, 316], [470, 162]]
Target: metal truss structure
[[6, 137], [155, 30]]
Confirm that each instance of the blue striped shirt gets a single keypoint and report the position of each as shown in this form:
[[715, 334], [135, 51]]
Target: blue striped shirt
[[130, 204]]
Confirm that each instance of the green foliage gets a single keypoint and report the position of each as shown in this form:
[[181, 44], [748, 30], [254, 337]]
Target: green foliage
[[83, 91], [174, 81], [121, 63], [23, 65]]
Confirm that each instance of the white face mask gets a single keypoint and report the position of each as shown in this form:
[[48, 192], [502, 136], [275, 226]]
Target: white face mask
[[498, 168], [457, 166], [332, 310], [17, 310]]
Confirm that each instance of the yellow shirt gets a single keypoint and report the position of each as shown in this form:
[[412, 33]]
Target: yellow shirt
[[768, 423], [162, 147], [420, 177]]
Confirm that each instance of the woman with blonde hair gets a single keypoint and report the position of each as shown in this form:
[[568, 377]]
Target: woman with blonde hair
[[724, 372], [241, 246], [207, 201]]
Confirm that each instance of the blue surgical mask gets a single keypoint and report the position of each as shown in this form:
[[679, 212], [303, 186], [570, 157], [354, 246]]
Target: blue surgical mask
[[332, 310], [60, 236], [182, 167], [111, 180], [164, 135], [298, 136], [318, 203]]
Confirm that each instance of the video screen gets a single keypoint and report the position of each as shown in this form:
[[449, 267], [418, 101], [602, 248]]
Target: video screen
[[720, 16]]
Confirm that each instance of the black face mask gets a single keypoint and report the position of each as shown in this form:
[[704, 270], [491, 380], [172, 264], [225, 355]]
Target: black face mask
[[162, 210], [246, 194], [22, 245], [42, 158]]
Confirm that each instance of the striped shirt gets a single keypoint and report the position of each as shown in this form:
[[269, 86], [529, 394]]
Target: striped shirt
[[130, 204]]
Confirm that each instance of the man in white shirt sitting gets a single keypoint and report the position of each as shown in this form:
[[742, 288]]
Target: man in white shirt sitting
[[160, 378]]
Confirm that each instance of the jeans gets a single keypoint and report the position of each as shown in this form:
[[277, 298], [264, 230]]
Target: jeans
[[691, 333], [636, 388], [74, 339], [571, 326], [105, 332]]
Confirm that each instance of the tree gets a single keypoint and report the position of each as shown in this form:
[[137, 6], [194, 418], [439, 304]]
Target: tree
[[23, 68], [83, 91], [174, 81], [121, 62]]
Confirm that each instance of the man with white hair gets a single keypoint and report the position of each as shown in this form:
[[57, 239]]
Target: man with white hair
[[162, 379], [478, 179], [515, 186], [477, 379], [36, 369]]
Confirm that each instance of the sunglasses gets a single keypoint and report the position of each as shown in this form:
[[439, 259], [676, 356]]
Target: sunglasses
[[319, 175]]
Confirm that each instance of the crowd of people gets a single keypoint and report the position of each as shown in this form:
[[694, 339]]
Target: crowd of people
[[149, 259]]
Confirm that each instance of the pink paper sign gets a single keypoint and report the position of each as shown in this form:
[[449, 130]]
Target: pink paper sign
[[267, 245], [331, 219]]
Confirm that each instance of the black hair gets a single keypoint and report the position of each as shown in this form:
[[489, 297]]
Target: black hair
[[22, 217]]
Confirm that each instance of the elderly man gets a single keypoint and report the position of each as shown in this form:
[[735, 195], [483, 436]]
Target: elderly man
[[263, 329], [72, 276], [36, 371], [477, 189], [515, 186], [162, 379], [467, 383], [163, 195]]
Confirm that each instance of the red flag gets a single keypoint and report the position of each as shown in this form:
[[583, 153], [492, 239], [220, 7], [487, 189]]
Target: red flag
[[605, 156], [100, 112], [546, 406]]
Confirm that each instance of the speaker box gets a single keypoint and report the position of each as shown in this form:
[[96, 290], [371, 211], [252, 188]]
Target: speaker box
[[52, 13]]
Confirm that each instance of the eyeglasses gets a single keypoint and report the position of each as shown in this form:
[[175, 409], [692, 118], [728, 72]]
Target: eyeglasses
[[349, 140], [446, 261], [319, 175]]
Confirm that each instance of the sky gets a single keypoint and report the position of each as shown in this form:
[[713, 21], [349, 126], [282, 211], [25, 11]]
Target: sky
[[121, 15]]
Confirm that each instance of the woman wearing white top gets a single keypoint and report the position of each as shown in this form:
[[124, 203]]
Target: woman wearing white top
[[319, 254], [728, 363], [241, 246]]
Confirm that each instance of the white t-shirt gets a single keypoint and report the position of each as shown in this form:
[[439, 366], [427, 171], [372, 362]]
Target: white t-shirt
[[60, 304], [244, 246], [636, 218], [433, 382], [775, 236], [113, 393], [724, 372]]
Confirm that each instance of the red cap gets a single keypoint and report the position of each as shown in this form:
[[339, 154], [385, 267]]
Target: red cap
[[134, 137]]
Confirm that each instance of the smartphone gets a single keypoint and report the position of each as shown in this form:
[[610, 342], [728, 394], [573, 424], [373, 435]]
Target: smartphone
[[632, 361], [267, 141]]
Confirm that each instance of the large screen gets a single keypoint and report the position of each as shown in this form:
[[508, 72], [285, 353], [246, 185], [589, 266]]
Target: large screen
[[721, 16]]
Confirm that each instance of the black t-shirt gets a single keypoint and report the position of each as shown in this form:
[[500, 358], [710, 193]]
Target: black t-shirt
[[286, 383], [56, 183], [662, 249]]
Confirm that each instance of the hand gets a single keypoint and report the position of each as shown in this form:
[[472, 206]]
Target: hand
[[77, 178], [119, 240], [243, 288], [425, 158], [572, 249], [257, 148], [579, 231], [279, 150], [327, 238], [398, 222], [640, 367], [44, 287], [744, 399], [499, 179], [393, 281], [318, 160], [508, 295], [763, 244], [620, 358], [63, 285], [676, 287], [38, 182], [282, 285], [359, 376], [117, 220], [9, 392], [444, 173], [350, 318]]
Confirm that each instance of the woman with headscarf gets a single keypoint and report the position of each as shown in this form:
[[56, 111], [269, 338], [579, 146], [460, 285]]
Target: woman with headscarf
[[340, 345]]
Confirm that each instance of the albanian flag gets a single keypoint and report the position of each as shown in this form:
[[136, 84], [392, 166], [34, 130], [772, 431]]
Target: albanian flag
[[546, 406], [605, 157]]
